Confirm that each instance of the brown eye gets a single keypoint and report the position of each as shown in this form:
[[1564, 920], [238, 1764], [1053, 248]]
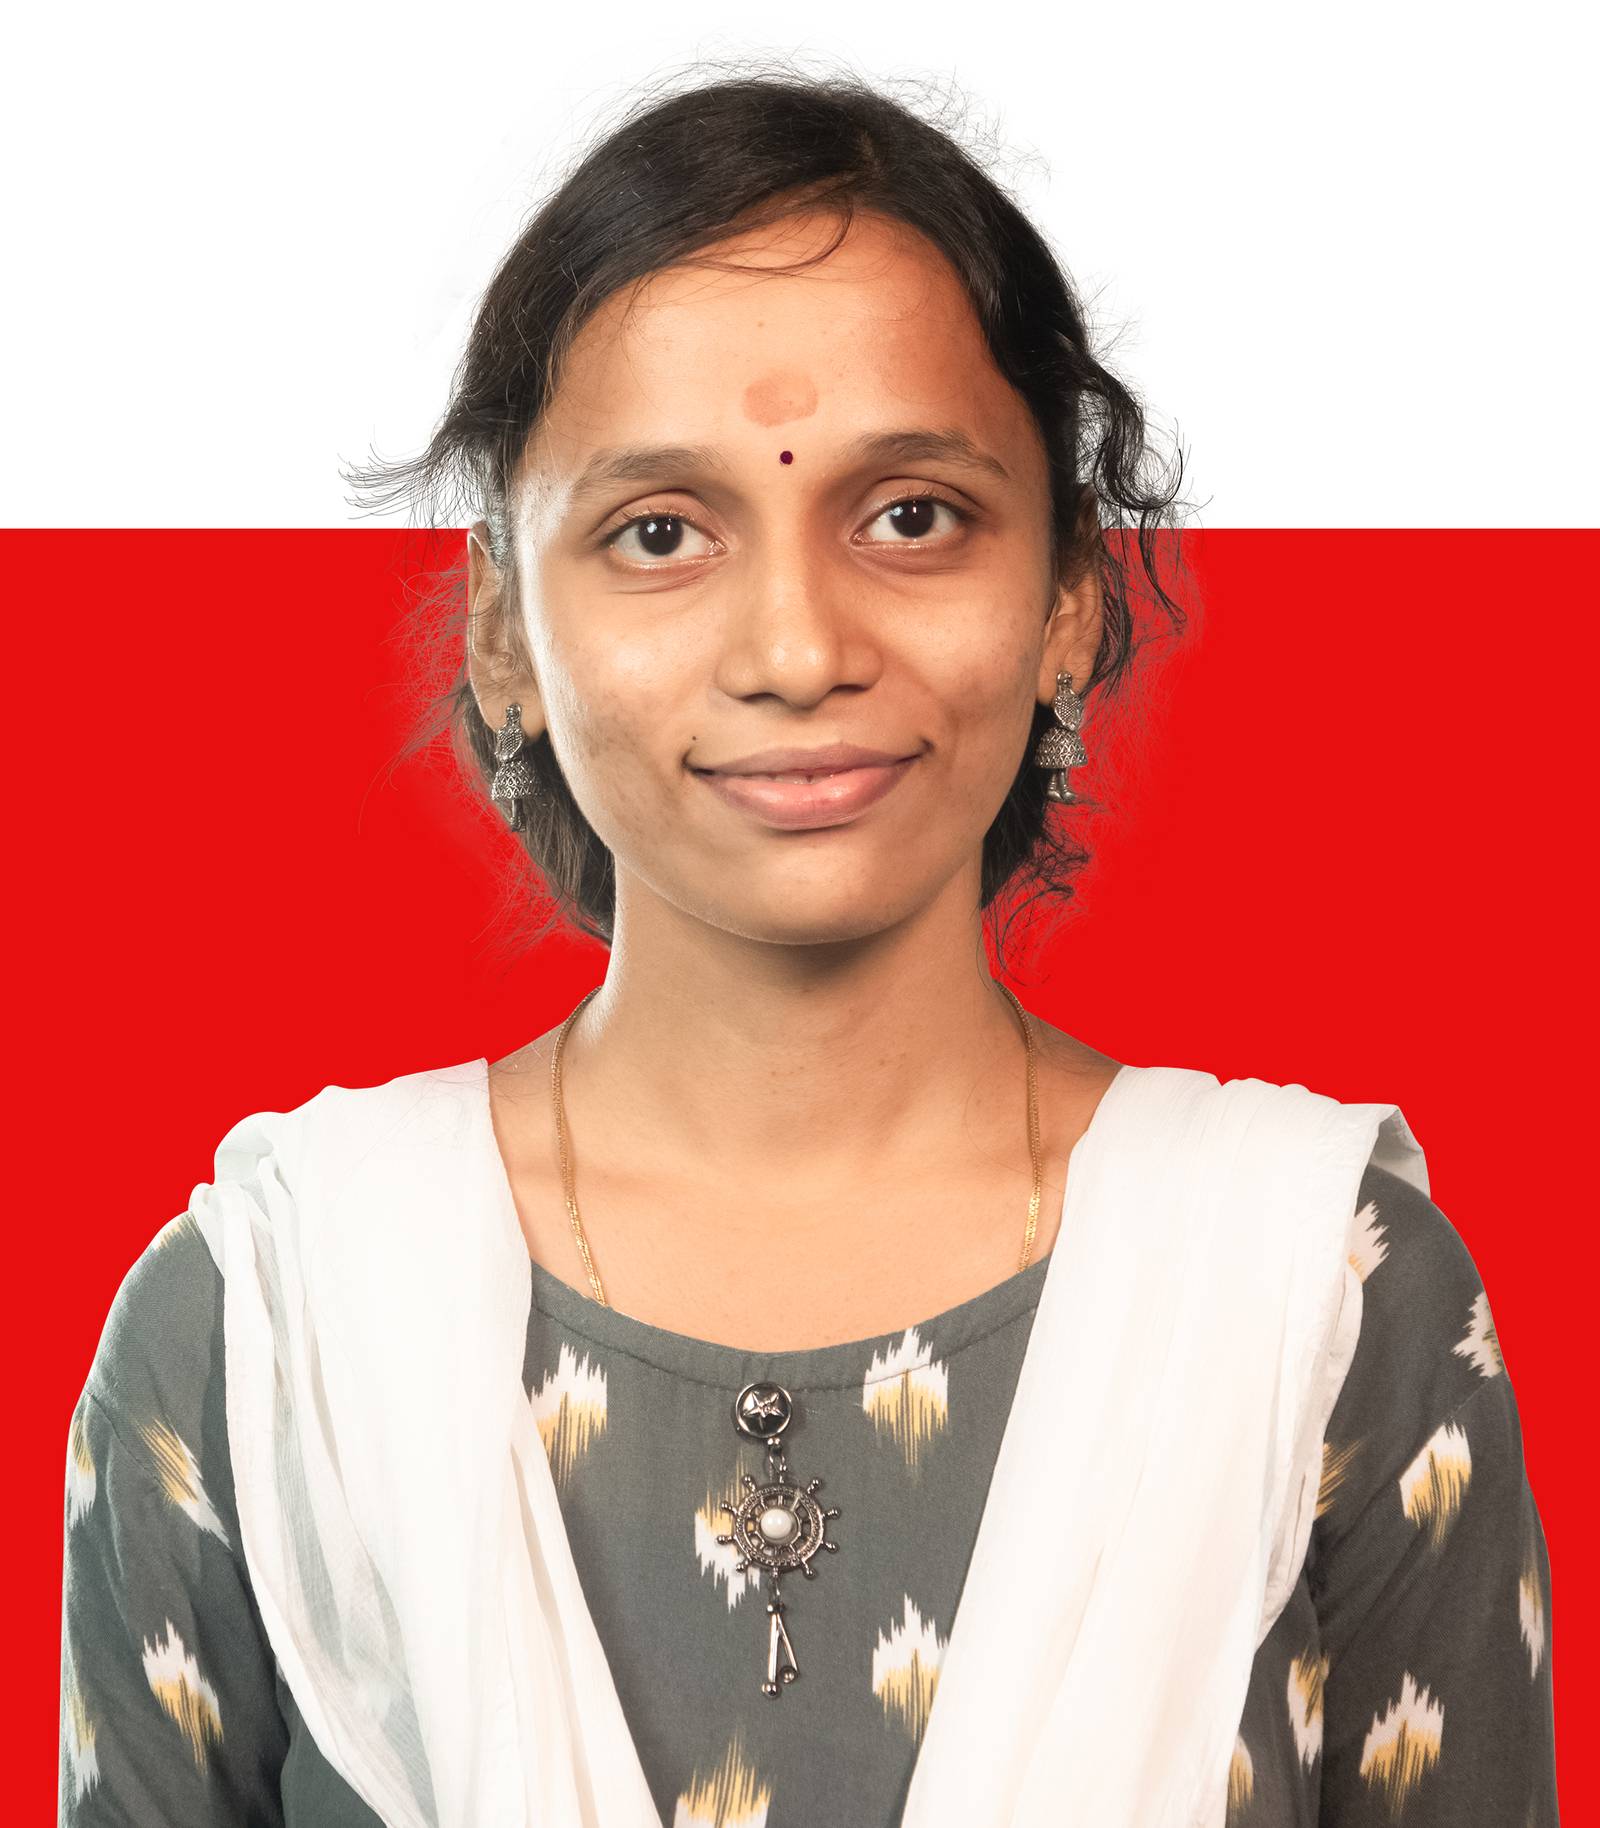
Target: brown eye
[[660, 537], [914, 517]]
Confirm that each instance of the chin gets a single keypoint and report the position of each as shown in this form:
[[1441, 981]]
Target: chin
[[790, 916]]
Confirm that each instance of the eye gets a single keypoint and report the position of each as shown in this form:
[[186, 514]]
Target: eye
[[660, 538], [913, 517]]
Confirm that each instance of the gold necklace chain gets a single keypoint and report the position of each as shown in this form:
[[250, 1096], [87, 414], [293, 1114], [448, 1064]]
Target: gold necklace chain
[[1034, 1150]]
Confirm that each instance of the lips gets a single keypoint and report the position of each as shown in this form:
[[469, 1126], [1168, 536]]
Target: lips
[[816, 758], [804, 799]]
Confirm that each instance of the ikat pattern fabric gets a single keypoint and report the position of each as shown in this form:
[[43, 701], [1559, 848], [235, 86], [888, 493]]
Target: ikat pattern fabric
[[1408, 1680]]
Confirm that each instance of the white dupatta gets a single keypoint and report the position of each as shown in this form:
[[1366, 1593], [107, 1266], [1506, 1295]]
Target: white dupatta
[[1148, 1517]]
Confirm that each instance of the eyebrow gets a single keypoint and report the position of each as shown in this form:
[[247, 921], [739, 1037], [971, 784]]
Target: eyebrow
[[631, 463]]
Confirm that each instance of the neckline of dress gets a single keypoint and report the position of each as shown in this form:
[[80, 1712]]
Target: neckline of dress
[[849, 1363]]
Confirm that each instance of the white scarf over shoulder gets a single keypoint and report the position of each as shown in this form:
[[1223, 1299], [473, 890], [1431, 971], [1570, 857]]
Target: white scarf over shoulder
[[1148, 1516]]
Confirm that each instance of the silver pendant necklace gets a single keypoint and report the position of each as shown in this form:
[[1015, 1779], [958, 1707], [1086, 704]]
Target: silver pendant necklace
[[778, 1524]]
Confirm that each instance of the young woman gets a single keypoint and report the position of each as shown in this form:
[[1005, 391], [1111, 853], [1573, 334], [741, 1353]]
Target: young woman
[[870, 1342]]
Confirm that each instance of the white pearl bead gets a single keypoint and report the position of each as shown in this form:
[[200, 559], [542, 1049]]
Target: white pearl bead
[[777, 1524]]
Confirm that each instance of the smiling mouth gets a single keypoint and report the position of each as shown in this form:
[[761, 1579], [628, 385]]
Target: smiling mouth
[[803, 800]]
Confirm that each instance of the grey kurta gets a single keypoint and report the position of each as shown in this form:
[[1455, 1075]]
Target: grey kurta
[[1408, 1680]]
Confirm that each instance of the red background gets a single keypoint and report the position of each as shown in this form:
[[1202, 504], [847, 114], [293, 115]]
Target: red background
[[1353, 858]]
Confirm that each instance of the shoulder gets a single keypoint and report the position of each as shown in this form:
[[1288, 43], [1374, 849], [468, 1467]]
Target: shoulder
[[165, 1321], [163, 1335], [1425, 1311], [1426, 1356], [150, 1424], [158, 1369]]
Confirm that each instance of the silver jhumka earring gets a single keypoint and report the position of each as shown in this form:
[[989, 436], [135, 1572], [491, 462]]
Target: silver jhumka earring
[[1060, 747], [778, 1524], [513, 778]]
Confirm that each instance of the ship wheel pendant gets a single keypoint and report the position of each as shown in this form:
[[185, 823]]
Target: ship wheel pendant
[[778, 1525]]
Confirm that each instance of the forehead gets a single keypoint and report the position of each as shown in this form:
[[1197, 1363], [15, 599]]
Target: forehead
[[879, 331]]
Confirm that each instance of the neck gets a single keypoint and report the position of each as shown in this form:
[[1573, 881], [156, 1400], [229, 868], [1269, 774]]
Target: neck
[[822, 1062]]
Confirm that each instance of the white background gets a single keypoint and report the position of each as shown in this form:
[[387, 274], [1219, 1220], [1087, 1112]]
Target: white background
[[1346, 253]]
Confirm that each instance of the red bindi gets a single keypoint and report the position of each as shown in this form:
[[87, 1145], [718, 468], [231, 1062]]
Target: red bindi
[[786, 456]]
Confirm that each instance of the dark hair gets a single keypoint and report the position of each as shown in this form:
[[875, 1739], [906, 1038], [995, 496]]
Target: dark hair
[[684, 168]]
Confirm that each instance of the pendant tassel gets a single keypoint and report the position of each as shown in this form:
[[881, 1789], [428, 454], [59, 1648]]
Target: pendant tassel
[[776, 1636]]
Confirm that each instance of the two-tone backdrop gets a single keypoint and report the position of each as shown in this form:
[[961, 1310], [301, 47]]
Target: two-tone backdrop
[[1344, 256]]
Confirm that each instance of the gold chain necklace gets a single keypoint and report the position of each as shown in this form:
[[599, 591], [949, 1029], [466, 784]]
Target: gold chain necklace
[[777, 1525], [1034, 1149]]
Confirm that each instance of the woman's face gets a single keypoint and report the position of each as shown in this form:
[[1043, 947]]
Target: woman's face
[[756, 587]]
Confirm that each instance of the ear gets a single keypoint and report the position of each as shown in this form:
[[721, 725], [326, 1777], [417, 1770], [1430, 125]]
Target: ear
[[496, 663], [1077, 618]]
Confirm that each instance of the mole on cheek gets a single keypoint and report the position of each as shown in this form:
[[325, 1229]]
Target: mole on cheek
[[775, 398]]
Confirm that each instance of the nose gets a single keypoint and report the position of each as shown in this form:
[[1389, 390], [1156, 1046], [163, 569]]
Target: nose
[[796, 627]]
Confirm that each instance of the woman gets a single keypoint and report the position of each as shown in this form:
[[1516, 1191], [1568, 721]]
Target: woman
[[787, 581]]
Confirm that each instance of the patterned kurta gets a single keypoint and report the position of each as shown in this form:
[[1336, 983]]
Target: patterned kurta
[[1407, 1681]]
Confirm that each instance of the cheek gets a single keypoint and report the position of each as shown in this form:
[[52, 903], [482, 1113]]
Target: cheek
[[608, 735], [987, 708], [987, 693], [614, 734], [631, 681]]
